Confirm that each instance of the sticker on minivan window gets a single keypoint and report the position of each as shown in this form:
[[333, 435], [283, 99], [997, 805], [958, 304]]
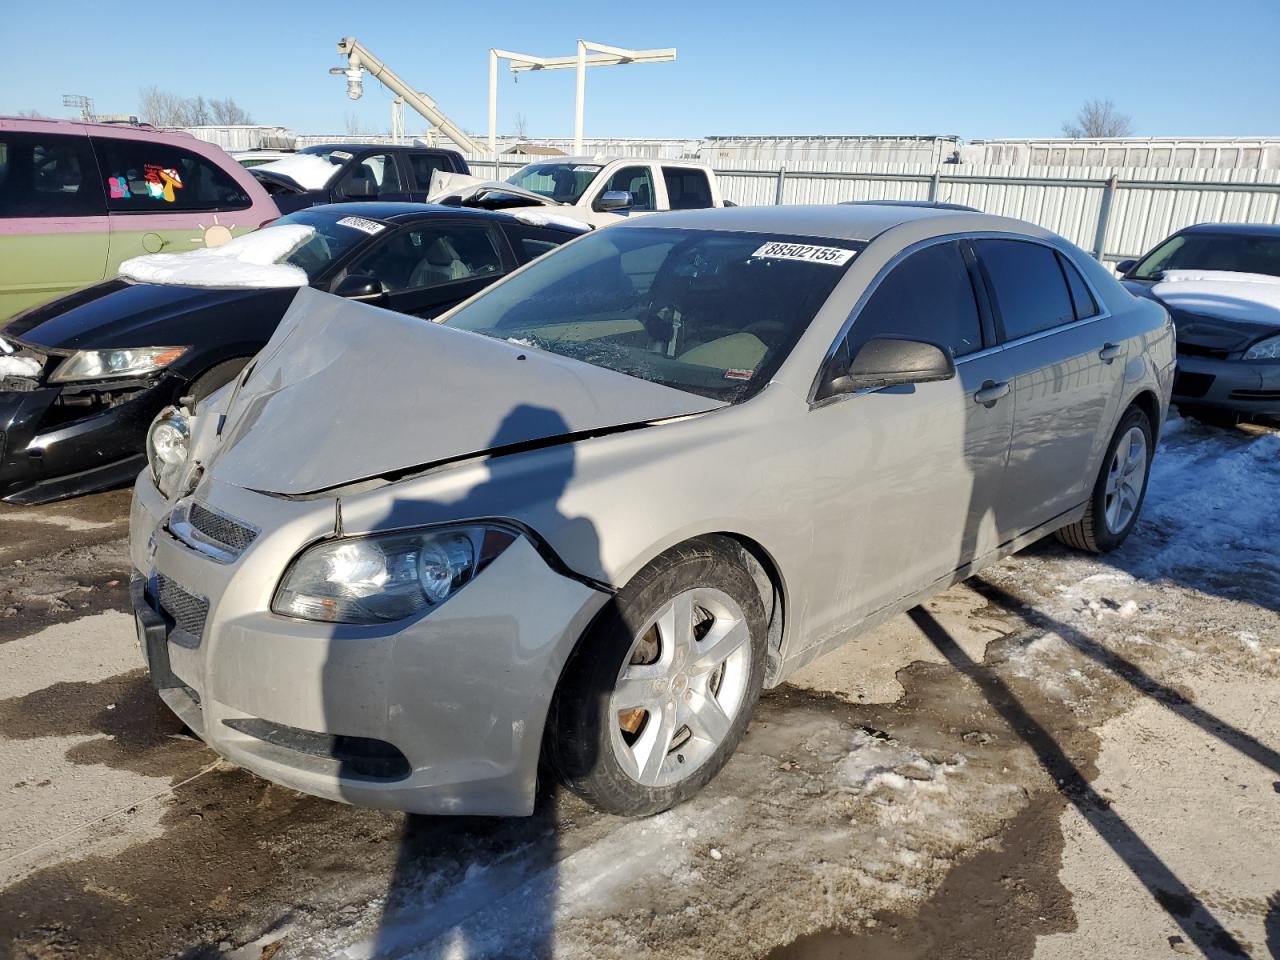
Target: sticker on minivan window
[[370, 227], [835, 256]]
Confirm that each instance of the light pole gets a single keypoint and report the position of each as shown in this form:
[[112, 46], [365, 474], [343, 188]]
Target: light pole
[[605, 56]]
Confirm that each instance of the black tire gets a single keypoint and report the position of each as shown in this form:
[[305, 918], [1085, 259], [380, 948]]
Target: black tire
[[1091, 532], [578, 740], [216, 376]]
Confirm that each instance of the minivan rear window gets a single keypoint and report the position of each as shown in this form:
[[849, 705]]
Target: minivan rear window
[[48, 175], [143, 176]]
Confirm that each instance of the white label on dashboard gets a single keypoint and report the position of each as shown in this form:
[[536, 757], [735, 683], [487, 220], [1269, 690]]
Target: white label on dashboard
[[835, 256]]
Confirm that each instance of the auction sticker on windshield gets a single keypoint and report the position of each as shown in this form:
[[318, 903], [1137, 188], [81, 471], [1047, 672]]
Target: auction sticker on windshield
[[835, 256], [360, 223]]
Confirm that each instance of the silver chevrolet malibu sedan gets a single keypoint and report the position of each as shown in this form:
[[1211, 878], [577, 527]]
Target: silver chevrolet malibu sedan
[[578, 524]]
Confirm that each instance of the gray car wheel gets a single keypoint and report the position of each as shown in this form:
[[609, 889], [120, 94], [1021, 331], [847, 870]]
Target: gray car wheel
[[659, 693], [1119, 490]]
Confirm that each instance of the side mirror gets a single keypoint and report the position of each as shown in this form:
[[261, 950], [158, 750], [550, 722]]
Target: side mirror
[[887, 362], [1124, 266], [359, 286], [613, 201]]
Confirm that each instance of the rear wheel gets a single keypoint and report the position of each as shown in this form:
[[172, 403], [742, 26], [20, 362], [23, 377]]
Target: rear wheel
[[660, 691], [1119, 490]]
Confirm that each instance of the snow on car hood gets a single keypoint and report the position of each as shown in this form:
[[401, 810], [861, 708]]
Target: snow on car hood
[[1243, 297], [345, 392], [247, 261], [307, 170]]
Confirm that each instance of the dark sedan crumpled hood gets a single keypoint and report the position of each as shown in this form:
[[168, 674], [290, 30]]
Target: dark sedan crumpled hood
[[346, 392], [1220, 310], [122, 314]]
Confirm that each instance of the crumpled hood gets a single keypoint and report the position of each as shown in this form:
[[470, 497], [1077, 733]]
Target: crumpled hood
[[345, 392], [1220, 309]]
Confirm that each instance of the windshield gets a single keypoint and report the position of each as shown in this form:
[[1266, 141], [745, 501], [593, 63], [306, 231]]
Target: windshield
[[1212, 251], [561, 182], [334, 236], [709, 312]]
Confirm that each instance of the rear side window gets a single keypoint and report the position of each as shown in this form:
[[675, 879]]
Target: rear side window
[[148, 177], [637, 181], [686, 189], [424, 165], [48, 175], [530, 243], [928, 296], [1081, 299], [1027, 283]]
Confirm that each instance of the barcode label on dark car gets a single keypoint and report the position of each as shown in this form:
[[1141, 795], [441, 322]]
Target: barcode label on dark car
[[835, 256]]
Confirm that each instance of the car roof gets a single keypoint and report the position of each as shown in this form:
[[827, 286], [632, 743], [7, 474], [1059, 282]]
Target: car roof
[[398, 213], [837, 221], [380, 147], [1240, 229]]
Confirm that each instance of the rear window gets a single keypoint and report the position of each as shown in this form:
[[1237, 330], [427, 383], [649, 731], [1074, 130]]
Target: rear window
[[149, 177], [48, 175], [424, 165], [687, 189], [1030, 290]]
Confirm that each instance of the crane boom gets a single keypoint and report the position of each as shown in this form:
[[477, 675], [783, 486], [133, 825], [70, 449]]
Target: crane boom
[[360, 58]]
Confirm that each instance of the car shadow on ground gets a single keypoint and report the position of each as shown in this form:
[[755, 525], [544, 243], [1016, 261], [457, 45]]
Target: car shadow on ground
[[1194, 918]]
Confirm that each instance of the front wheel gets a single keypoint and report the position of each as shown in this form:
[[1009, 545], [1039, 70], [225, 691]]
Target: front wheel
[[659, 693], [1119, 490]]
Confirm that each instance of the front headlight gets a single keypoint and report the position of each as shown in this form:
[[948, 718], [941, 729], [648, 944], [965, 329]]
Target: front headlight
[[168, 444], [104, 364], [389, 576], [1268, 349]]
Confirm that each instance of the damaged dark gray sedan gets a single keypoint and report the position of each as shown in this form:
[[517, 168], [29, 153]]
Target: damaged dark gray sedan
[[587, 517]]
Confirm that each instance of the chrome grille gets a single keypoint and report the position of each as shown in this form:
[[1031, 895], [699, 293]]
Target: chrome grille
[[235, 536], [188, 611]]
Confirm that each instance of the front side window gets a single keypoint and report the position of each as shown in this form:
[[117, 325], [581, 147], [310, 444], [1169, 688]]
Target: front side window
[[713, 313], [687, 189], [333, 239], [1028, 286], [561, 182], [1211, 251], [372, 175], [48, 176], [531, 242], [637, 181], [420, 257], [149, 177], [928, 296]]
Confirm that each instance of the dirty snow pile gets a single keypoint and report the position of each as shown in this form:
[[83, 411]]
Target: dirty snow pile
[[19, 367], [1251, 297], [307, 170], [250, 261], [880, 763]]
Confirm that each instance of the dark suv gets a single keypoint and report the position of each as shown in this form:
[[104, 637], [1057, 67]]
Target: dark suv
[[338, 172]]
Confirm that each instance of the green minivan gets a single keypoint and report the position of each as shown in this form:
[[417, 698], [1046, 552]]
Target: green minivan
[[76, 199]]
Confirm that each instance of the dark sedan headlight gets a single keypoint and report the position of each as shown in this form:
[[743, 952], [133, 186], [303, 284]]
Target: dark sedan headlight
[[104, 364], [1268, 349], [387, 576], [168, 446]]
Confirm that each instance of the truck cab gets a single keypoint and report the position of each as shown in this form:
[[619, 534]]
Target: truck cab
[[341, 172]]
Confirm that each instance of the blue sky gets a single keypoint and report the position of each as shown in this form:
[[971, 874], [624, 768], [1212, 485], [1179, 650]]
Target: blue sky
[[986, 68]]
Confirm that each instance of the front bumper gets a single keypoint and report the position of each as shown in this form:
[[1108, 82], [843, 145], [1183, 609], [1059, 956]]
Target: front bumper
[[1251, 387], [50, 450], [440, 714]]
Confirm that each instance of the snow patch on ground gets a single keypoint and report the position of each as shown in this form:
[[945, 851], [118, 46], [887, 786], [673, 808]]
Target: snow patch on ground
[[877, 763], [250, 261]]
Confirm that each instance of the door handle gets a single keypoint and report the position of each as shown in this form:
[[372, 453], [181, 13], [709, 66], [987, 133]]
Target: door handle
[[991, 392], [1109, 351]]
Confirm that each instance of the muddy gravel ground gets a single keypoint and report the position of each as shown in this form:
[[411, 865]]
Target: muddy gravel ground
[[1065, 756]]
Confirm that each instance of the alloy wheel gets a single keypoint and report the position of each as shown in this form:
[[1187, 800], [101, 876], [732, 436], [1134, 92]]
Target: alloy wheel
[[1125, 477]]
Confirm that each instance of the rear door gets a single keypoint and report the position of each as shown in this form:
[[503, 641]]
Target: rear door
[[687, 188], [1067, 372], [427, 268], [421, 167], [373, 176], [54, 230], [908, 483]]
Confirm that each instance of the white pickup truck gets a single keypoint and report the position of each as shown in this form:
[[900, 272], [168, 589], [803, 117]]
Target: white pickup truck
[[593, 190]]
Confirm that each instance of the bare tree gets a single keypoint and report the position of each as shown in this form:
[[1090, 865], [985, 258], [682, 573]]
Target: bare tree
[[159, 107], [1098, 118], [32, 114], [229, 113], [521, 126]]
